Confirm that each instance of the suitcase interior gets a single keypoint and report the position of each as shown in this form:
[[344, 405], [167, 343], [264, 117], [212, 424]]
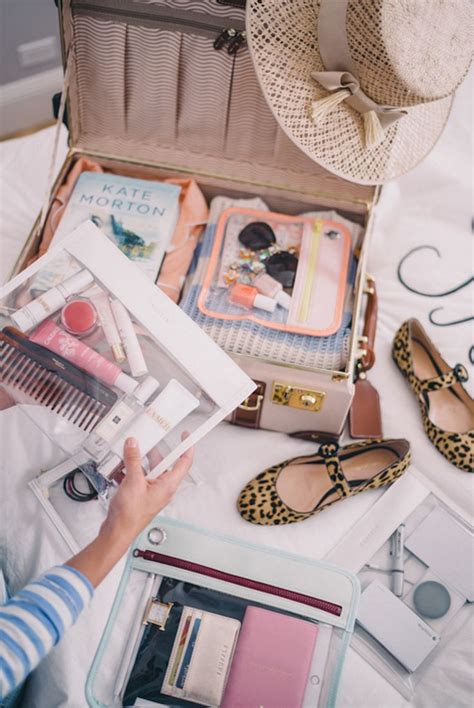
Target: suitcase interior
[[149, 96]]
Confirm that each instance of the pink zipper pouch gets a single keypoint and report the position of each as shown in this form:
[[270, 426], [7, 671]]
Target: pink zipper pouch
[[271, 662], [237, 284]]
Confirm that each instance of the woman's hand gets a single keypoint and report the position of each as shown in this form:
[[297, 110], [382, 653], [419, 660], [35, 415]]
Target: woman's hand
[[136, 502], [139, 499]]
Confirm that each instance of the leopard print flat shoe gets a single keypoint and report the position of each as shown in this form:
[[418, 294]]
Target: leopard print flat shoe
[[446, 408], [301, 487]]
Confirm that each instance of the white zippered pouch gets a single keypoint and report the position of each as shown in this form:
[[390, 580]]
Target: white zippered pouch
[[412, 552], [104, 355]]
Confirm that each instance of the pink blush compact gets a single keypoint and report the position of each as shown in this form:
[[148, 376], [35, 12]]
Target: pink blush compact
[[79, 317]]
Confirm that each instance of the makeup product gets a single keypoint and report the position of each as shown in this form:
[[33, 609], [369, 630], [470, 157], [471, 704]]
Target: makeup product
[[33, 372], [248, 297], [431, 599], [57, 340], [397, 552], [49, 302], [266, 285], [121, 415], [434, 600], [314, 683], [396, 626], [107, 322], [79, 317], [129, 338], [271, 661], [173, 404]]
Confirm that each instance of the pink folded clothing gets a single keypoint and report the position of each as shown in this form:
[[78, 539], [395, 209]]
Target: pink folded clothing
[[271, 662]]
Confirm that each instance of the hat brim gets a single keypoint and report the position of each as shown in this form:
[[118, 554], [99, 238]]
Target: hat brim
[[282, 37]]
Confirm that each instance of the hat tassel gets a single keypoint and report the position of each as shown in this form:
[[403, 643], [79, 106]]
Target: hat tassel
[[323, 106], [374, 133]]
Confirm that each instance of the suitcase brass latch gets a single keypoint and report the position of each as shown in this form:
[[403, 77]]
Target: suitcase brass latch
[[287, 395]]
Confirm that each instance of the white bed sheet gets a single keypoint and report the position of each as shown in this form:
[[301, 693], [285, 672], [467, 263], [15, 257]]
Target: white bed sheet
[[430, 206]]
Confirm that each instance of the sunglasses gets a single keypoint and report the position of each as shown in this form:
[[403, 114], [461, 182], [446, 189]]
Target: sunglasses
[[281, 265]]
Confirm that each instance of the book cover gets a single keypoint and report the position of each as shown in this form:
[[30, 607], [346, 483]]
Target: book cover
[[138, 216]]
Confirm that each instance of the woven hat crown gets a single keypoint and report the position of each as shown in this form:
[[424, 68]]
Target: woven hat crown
[[409, 52]]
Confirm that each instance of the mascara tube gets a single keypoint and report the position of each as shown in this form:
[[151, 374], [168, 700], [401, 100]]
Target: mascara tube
[[398, 560], [107, 322], [135, 357]]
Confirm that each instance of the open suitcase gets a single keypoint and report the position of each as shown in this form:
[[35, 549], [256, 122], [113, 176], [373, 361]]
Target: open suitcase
[[149, 95]]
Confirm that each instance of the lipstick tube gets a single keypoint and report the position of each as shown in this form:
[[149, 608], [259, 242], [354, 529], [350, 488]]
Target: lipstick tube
[[135, 357], [248, 297], [57, 340], [270, 287], [37, 310], [168, 409], [107, 322]]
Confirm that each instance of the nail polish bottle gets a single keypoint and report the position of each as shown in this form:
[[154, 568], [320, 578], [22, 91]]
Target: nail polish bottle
[[270, 287], [249, 297]]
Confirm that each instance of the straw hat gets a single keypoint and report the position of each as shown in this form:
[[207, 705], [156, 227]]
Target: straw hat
[[364, 87]]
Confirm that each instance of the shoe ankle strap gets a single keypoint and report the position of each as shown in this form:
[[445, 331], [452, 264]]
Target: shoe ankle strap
[[330, 454], [458, 374]]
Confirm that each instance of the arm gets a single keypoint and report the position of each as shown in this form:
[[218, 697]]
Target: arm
[[33, 621]]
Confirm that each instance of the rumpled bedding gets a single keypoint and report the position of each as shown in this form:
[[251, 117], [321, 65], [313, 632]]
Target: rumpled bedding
[[428, 208]]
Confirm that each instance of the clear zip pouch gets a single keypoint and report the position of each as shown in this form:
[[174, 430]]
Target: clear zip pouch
[[287, 273], [204, 619], [104, 355], [417, 587]]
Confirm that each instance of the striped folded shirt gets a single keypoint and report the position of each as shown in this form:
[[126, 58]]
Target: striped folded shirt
[[35, 619]]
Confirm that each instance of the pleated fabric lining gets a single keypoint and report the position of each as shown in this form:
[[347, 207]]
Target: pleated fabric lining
[[157, 94]]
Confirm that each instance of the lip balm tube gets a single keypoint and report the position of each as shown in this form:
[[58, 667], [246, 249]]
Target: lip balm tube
[[57, 340], [270, 287], [249, 297], [168, 409], [107, 322], [37, 310], [135, 357]]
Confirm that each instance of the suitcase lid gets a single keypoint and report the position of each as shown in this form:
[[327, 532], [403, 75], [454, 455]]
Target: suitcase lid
[[145, 84]]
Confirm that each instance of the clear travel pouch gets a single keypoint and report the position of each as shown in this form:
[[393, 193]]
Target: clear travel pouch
[[104, 355], [204, 619], [416, 586], [284, 272]]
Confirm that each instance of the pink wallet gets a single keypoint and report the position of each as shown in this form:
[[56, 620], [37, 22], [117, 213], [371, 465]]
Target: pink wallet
[[271, 661]]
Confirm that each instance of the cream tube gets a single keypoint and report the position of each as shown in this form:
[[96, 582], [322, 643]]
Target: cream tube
[[107, 322], [37, 310], [57, 340], [168, 409], [135, 357]]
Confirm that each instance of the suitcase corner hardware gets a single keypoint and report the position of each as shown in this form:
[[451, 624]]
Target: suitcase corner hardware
[[305, 399], [247, 406]]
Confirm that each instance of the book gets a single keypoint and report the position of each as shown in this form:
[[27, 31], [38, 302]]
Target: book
[[138, 216]]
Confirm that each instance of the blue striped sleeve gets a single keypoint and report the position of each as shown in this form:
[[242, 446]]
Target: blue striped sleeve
[[33, 621]]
